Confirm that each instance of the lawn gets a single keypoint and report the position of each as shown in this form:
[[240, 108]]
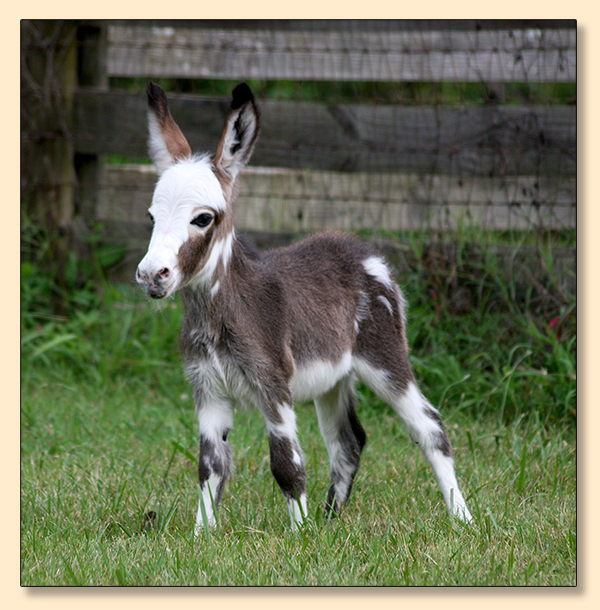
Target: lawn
[[109, 446]]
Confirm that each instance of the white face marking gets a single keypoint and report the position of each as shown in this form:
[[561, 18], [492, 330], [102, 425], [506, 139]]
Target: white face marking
[[375, 266], [221, 251], [315, 378], [182, 192]]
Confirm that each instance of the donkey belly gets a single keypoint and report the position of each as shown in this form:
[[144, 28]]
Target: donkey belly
[[316, 377]]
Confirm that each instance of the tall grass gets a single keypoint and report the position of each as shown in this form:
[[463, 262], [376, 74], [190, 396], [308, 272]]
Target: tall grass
[[109, 443]]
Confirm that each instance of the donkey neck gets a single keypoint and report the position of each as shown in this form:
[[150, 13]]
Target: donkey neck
[[212, 309]]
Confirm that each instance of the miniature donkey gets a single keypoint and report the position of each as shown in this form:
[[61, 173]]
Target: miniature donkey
[[267, 329]]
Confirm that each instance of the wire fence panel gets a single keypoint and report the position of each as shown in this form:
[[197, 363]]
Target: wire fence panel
[[276, 199], [464, 141], [395, 125], [528, 54]]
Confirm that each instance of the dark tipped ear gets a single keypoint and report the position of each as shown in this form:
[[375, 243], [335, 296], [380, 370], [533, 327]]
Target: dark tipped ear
[[239, 135], [166, 142], [241, 94]]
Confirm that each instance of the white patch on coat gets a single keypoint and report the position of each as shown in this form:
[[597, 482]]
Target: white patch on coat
[[443, 467], [213, 419], [412, 407], [207, 497], [297, 511], [207, 373], [287, 429], [319, 376], [296, 457], [287, 426], [220, 380], [362, 309], [377, 379], [386, 303], [402, 305], [376, 267]]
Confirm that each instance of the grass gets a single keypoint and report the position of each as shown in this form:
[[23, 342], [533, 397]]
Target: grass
[[109, 443]]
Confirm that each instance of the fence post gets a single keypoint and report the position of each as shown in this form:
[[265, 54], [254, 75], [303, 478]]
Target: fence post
[[89, 168], [48, 81]]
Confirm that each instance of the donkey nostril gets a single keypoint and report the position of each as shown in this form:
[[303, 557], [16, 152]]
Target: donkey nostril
[[163, 273]]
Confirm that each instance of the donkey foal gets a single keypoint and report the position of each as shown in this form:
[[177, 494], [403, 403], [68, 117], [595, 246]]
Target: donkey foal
[[263, 330]]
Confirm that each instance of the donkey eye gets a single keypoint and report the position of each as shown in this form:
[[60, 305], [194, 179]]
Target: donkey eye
[[151, 218], [203, 220]]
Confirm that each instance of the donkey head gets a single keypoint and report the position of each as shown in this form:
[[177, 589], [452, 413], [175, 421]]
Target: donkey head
[[192, 203]]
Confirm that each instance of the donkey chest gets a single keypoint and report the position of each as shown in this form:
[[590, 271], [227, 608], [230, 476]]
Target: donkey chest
[[215, 373]]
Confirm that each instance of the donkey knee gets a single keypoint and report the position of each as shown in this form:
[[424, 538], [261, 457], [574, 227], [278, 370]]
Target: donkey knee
[[423, 422]]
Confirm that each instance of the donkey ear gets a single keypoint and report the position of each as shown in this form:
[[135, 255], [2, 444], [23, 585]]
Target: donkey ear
[[166, 143], [240, 132]]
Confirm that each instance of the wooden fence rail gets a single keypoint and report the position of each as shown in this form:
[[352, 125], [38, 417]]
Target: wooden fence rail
[[467, 141], [317, 165], [526, 54], [302, 201]]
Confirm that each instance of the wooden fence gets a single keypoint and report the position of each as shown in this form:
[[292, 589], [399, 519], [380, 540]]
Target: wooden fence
[[329, 164]]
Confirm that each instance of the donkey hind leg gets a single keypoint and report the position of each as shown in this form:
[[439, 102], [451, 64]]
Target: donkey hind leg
[[287, 460], [344, 438], [214, 462], [426, 430]]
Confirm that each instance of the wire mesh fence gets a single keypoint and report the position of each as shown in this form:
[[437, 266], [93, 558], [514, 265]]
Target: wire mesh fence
[[366, 125]]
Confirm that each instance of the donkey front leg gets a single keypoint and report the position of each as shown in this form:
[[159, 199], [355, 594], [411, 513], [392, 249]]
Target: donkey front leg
[[287, 461], [214, 461]]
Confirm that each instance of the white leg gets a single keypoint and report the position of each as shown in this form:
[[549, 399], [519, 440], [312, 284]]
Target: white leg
[[444, 472], [426, 430], [206, 503], [297, 511], [214, 462]]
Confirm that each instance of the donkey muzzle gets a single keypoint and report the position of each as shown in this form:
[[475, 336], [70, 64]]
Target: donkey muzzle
[[154, 284]]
